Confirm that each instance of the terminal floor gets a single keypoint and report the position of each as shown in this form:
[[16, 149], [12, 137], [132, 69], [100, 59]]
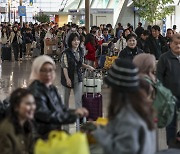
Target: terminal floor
[[16, 74]]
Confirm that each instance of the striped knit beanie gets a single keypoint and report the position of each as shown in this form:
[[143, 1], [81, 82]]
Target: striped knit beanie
[[123, 75]]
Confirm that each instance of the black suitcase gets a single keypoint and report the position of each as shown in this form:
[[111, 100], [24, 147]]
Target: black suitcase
[[6, 53], [169, 151]]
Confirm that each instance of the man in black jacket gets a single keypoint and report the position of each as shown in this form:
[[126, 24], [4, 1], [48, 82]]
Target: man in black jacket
[[168, 71], [139, 30], [141, 41], [156, 44]]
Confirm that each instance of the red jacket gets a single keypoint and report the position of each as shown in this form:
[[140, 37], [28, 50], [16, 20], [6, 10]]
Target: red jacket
[[91, 52]]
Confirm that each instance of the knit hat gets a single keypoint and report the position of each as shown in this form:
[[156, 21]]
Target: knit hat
[[123, 75]]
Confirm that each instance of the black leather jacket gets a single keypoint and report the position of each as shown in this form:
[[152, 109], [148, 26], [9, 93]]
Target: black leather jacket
[[50, 113]]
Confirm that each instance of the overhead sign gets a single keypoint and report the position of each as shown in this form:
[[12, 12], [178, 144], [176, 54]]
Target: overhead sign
[[164, 26], [31, 2], [2, 9], [22, 10]]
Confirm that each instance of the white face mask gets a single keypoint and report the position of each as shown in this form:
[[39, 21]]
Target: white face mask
[[73, 29]]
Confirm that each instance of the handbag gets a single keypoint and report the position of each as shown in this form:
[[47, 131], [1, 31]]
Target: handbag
[[33, 45]]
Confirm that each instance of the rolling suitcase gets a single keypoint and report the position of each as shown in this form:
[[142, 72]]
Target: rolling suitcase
[[93, 103], [6, 53], [36, 52], [169, 151], [91, 86]]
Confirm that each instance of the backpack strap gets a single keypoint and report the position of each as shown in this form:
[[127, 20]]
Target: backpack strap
[[149, 81]]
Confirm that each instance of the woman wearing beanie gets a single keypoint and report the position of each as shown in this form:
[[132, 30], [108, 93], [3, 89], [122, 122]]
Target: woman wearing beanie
[[130, 129]]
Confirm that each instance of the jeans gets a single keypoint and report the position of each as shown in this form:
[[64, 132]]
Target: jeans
[[77, 95]]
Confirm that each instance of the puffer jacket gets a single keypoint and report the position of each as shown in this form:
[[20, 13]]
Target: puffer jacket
[[50, 112]]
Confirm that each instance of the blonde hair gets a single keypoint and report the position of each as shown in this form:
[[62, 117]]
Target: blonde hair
[[145, 62]]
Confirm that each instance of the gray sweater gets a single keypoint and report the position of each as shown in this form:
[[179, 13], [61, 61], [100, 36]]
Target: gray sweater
[[126, 134]]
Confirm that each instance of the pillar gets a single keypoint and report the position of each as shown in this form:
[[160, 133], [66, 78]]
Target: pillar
[[87, 15]]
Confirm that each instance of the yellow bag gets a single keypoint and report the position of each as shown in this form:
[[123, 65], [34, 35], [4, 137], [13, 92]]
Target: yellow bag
[[99, 121], [109, 61], [102, 121], [61, 143]]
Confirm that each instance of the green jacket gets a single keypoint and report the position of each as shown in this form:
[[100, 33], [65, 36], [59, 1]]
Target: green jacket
[[12, 143]]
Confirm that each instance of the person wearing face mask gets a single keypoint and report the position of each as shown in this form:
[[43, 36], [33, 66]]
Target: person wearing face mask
[[71, 65], [131, 49], [16, 130], [155, 44]]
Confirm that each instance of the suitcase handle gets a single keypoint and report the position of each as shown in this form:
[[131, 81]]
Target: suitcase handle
[[86, 74], [90, 86], [78, 123]]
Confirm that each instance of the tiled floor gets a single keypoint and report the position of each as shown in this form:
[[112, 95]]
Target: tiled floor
[[16, 74]]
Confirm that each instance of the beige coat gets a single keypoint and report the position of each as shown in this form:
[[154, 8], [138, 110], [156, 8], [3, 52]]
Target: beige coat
[[50, 42], [120, 44], [19, 37], [4, 40]]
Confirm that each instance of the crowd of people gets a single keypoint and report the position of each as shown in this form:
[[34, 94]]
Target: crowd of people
[[141, 53], [49, 38]]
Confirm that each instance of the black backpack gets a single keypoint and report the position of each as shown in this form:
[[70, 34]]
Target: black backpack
[[4, 107]]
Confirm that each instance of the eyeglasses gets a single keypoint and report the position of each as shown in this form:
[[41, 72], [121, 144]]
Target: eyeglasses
[[47, 70]]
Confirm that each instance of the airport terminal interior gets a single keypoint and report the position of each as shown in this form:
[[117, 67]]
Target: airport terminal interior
[[101, 58]]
